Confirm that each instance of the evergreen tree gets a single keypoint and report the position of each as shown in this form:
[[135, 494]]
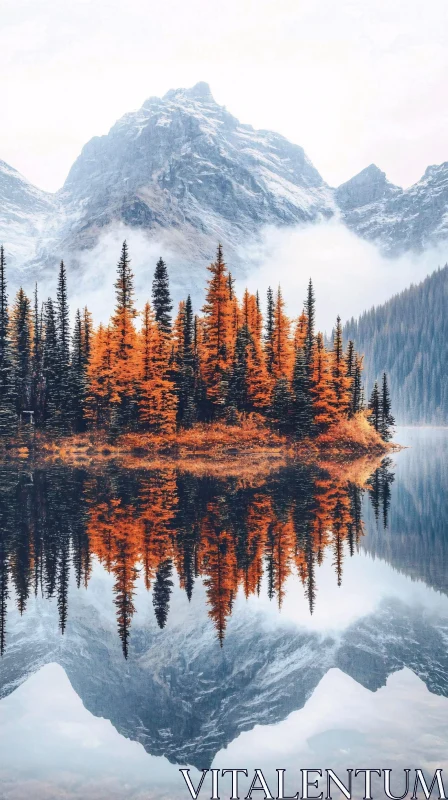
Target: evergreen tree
[[78, 375], [282, 406], [269, 331], [375, 408], [357, 397], [124, 339], [87, 334], [22, 343], [310, 312], [63, 333], [302, 403], [386, 419], [51, 363], [350, 359], [161, 297], [238, 388], [37, 381], [8, 416], [187, 403], [341, 380], [162, 592]]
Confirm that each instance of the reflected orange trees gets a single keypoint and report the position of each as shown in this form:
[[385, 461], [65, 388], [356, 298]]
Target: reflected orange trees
[[168, 527]]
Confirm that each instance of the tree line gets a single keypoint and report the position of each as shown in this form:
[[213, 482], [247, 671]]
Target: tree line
[[149, 372], [407, 337]]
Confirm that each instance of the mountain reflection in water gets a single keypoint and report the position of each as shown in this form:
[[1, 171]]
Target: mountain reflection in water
[[231, 533]]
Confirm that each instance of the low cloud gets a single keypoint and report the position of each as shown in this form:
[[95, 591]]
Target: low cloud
[[349, 274]]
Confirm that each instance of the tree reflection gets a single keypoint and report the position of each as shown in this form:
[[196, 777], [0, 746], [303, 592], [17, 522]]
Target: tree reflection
[[167, 526]]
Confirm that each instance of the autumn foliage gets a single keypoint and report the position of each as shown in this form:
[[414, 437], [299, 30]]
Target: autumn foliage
[[236, 535], [145, 373]]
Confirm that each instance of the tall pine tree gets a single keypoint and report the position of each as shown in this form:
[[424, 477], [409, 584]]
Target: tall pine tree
[[375, 408], [269, 332], [387, 421], [8, 416], [124, 338], [161, 298], [310, 311], [63, 333], [22, 344], [78, 375], [341, 381], [302, 402], [51, 365]]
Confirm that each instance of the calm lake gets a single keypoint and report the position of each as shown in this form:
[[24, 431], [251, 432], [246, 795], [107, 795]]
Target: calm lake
[[151, 621]]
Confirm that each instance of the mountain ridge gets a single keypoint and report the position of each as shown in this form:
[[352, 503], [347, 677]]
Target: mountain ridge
[[185, 172]]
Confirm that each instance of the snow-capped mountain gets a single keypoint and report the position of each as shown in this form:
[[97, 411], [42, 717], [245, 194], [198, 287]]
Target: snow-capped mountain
[[184, 162], [183, 173], [24, 215], [183, 697], [396, 219]]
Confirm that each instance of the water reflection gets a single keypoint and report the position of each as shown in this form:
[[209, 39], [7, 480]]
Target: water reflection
[[228, 532], [363, 679]]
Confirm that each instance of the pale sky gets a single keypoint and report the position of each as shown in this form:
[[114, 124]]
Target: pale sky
[[352, 81]]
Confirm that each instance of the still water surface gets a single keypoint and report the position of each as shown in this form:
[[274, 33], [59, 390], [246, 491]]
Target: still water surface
[[151, 621]]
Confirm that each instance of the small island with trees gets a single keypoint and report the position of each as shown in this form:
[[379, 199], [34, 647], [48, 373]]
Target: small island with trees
[[226, 381]]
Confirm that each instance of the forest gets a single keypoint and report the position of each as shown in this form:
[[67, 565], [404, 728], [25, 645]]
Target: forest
[[407, 337], [147, 372], [153, 525]]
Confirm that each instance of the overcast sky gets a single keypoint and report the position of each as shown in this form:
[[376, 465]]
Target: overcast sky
[[352, 81]]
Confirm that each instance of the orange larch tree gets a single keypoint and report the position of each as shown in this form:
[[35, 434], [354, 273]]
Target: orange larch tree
[[282, 356], [218, 334], [322, 389], [101, 392]]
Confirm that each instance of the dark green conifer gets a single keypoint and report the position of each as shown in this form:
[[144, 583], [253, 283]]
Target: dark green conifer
[[375, 407], [387, 421], [124, 285], [269, 331], [238, 395], [350, 359], [187, 402], [78, 375], [8, 415], [22, 345], [302, 402], [63, 334], [310, 311], [161, 297], [282, 406], [37, 382], [51, 364], [357, 398], [162, 592]]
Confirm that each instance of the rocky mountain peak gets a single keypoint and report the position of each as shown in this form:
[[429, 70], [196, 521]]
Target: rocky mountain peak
[[200, 91], [368, 186]]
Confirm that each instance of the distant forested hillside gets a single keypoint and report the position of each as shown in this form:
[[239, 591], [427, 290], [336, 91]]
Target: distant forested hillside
[[407, 338]]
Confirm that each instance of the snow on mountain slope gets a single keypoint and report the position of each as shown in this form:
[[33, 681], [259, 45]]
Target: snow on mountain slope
[[396, 219], [182, 173], [24, 215], [184, 697], [186, 172]]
